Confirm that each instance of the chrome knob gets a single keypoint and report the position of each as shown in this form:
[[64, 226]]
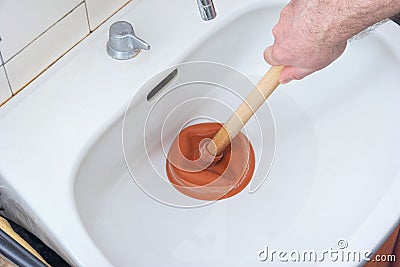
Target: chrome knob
[[123, 43]]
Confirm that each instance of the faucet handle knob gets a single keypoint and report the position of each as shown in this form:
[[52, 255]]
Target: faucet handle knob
[[123, 43]]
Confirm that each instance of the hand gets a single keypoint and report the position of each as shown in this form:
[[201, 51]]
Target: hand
[[305, 40]]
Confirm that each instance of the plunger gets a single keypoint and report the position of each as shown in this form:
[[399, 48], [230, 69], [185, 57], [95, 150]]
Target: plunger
[[211, 161]]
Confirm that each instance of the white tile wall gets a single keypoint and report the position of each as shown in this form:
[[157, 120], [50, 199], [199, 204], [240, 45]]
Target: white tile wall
[[26, 65], [21, 21], [100, 10], [35, 33], [5, 92]]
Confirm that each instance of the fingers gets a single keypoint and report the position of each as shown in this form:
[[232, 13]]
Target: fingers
[[268, 56], [289, 73], [293, 73]]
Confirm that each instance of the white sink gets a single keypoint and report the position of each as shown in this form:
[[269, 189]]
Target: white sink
[[335, 173]]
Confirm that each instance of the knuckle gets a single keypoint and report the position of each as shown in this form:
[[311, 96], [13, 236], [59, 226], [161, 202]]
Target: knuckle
[[285, 11], [275, 31]]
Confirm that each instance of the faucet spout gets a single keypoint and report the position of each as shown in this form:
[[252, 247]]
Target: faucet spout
[[207, 9]]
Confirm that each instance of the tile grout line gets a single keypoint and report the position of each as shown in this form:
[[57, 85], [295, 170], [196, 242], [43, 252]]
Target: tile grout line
[[62, 55], [45, 31], [50, 65], [87, 15], [46, 68], [5, 72], [112, 14]]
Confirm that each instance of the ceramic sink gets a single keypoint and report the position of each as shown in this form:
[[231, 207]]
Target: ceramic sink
[[83, 150]]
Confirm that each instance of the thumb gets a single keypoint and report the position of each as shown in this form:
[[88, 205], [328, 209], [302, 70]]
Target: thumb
[[268, 56]]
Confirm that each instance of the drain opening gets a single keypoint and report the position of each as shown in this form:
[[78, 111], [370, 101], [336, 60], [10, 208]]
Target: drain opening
[[162, 84]]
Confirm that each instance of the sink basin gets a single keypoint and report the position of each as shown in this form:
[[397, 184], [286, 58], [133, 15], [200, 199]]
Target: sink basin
[[74, 169]]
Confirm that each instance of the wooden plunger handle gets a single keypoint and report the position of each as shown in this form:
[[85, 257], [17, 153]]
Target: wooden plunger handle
[[245, 111]]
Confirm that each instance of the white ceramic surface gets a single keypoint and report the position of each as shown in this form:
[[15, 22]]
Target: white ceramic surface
[[47, 48], [335, 174]]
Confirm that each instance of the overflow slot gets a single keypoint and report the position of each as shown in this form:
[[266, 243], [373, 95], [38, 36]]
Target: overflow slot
[[161, 85]]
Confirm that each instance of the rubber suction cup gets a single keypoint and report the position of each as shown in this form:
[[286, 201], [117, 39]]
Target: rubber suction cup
[[209, 179]]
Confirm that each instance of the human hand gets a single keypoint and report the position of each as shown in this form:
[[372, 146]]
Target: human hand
[[305, 40]]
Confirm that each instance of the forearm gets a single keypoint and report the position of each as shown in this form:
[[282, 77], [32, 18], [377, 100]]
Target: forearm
[[311, 34], [346, 18]]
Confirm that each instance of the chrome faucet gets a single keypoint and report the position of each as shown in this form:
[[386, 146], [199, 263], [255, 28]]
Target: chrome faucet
[[207, 9], [123, 43]]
